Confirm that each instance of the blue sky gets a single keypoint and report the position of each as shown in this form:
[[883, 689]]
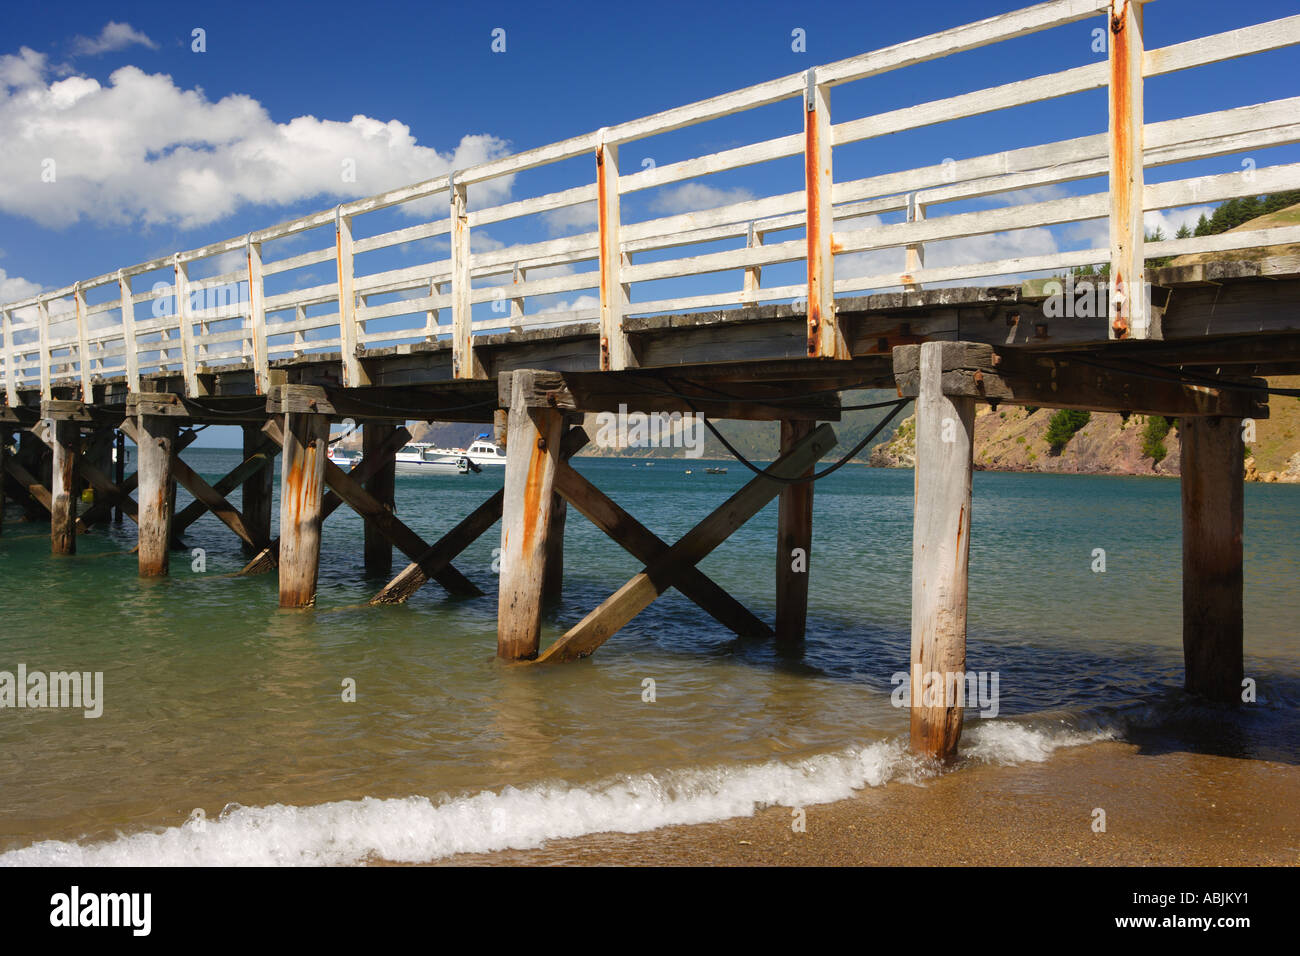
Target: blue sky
[[162, 162]]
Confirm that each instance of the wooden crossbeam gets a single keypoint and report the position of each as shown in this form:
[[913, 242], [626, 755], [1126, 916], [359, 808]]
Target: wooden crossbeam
[[250, 466], [442, 553], [393, 528], [36, 489], [267, 559], [101, 510], [638, 593], [1091, 382], [647, 547], [451, 544], [215, 502]]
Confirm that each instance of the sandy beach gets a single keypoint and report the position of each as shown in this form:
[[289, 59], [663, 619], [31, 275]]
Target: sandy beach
[[1162, 809]]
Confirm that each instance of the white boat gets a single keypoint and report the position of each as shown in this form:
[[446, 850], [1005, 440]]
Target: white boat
[[420, 458]]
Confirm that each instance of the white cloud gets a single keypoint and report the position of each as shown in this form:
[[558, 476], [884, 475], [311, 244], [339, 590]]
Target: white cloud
[[693, 197], [114, 36], [571, 219], [141, 149], [13, 288]]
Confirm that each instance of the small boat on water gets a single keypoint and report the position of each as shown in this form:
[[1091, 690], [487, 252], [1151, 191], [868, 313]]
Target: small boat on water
[[715, 471]]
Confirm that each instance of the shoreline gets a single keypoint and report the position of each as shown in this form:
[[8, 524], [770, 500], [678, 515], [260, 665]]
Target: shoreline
[[1162, 809]]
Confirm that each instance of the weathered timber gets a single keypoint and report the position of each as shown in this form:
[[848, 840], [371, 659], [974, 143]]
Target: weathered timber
[[266, 559], [216, 502], [118, 492], [119, 471], [979, 371], [644, 545], [302, 484], [533, 440], [637, 594], [382, 486], [442, 552], [553, 572], [666, 392], [257, 485], [1212, 495], [794, 545], [254, 469], [66, 445], [155, 450], [945, 428]]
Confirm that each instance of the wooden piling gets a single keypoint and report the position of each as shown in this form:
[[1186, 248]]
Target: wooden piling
[[945, 426], [34, 459], [257, 489], [382, 485], [154, 450], [302, 485], [533, 437], [4, 474], [119, 471], [794, 544], [66, 446], [1212, 492]]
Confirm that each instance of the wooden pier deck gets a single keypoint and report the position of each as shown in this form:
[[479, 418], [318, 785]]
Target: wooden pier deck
[[454, 339]]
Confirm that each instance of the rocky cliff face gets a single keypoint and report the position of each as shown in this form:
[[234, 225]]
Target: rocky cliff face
[[1014, 439]]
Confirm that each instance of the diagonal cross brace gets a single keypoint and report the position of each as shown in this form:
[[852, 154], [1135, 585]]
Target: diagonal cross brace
[[268, 557], [250, 466], [354, 494], [465, 533], [666, 570]]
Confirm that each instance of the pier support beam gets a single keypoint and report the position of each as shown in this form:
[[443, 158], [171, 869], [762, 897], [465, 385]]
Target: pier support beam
[[257, 488], [119, 471], [302, 488], [794, 545], [154, 450], [945, 426], [34, 459], [5, 435], [66, 445], [533, 438], [375, 436], [1213, 491]]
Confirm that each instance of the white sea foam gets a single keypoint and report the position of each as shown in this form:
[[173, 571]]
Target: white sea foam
[[416, 829]]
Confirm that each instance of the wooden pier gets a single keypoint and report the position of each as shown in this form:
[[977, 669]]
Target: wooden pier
[[428, 342]]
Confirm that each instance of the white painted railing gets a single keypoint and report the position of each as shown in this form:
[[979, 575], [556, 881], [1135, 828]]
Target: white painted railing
[[55, 338]]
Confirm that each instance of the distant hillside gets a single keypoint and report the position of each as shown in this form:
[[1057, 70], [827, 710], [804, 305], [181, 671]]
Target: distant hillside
[[1015, 439]]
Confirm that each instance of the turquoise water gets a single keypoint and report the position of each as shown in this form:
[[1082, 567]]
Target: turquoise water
[[220, 706]]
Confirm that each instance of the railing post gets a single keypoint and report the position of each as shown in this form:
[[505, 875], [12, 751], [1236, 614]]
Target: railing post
[[11, 373], [131, 358], [43, 323], [753, 274], [824, 337], [431, 315], [353, 372], [181, 298], [915, 253], [83, 344], [517, 302], [257, 317], [463, 363], [1129, 312], [615, 351]]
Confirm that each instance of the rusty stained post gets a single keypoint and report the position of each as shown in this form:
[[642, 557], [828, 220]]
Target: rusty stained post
[[1129, 311], [157, 492], [533, 439], [615, 351], [825, 339], [302, 485], [1212, 494]]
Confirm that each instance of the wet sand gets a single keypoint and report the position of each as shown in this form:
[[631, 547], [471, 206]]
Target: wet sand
[[1172, 808]]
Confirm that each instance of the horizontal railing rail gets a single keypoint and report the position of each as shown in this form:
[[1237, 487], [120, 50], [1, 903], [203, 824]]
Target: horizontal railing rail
[[229, 319]]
